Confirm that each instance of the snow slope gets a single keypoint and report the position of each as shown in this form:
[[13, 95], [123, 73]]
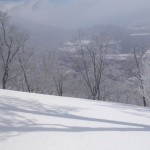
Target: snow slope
[[40, 122]]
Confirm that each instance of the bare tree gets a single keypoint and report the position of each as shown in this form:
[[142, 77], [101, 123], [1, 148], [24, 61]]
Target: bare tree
[[59, 76], [139, 52], [12, 40], [54, 72], [24, 58], [146, 78], [90, 60]]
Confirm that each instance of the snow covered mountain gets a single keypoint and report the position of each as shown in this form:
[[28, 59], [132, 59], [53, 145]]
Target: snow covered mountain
[[42, 122]]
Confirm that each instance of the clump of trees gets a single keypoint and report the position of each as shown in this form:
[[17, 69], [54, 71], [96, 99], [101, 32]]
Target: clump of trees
[[14, 54], [83, 70]]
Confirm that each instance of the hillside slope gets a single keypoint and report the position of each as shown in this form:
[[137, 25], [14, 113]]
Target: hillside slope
[[40, 122]]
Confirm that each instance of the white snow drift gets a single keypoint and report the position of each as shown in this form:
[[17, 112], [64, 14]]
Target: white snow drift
[[40, 122]]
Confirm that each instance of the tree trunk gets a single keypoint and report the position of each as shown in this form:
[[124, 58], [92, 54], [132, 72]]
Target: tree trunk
[[4, 80], [4, 85], [144, 101]]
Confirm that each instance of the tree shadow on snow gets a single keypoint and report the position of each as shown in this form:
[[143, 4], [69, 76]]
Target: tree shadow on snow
[[129, 109], [12, 122]]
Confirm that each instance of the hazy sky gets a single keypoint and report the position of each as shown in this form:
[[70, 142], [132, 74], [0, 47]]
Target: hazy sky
[[78, 13]]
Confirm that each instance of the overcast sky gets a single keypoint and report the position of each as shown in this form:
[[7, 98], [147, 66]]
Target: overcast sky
[[78, 13]]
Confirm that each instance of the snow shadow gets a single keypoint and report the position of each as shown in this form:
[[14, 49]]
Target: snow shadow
[[13, 122], [130, 109]]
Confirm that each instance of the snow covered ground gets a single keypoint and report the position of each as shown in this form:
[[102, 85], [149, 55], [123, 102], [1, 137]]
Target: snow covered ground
[[140, 34], [40, 122]]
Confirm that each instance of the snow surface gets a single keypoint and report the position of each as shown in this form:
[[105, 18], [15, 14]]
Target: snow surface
[[119, 56], [41, 122], [140, 34]]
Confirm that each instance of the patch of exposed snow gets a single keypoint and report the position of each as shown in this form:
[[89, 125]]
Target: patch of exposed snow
[[42, 122], [119, 56], [140, 34]]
